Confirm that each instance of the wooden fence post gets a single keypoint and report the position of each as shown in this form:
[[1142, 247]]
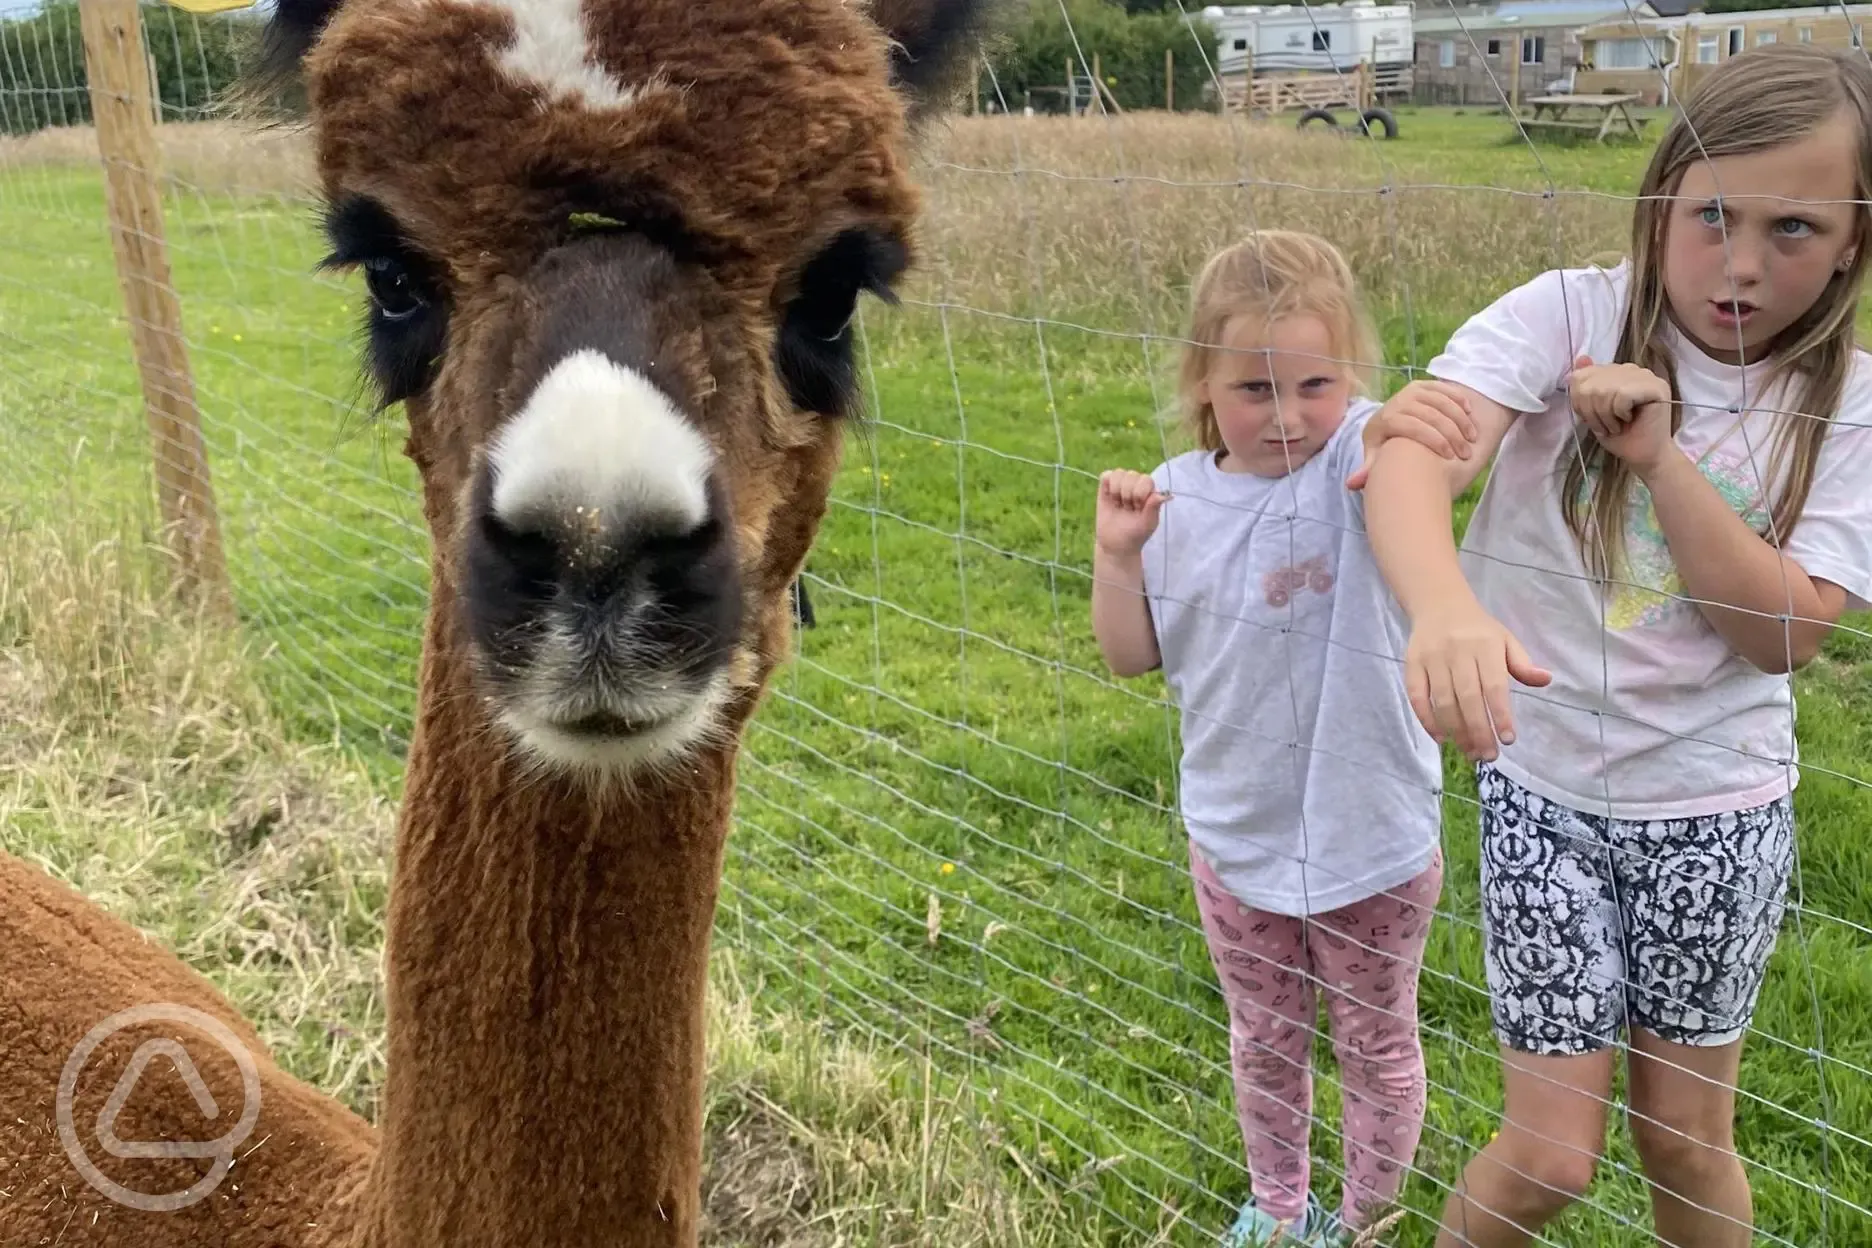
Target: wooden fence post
[[1169, 80], [122, 106]]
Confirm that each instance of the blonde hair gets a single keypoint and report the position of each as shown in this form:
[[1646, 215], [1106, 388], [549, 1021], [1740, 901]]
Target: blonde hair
[[1773, 94], [1269, 275]]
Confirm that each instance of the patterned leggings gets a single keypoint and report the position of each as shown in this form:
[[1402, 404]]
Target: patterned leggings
[[1367, 955]]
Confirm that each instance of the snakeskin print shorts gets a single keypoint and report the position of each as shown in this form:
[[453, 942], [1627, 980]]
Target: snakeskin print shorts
[[1592, 924]]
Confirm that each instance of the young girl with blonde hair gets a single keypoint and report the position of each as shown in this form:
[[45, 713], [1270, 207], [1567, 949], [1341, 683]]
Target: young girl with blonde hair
[[1680, 506], [1309, 796]]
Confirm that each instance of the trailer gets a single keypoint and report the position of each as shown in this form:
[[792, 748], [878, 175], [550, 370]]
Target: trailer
[[1294, 42]]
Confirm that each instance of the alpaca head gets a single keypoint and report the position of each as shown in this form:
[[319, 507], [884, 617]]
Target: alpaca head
[[613, 250]]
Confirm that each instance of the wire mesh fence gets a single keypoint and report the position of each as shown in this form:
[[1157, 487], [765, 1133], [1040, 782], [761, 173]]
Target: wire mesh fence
[[958, 833]]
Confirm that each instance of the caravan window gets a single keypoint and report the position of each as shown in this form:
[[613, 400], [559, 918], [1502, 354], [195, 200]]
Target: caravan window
[[1322, 41], [1241, 45], [1624, 54]]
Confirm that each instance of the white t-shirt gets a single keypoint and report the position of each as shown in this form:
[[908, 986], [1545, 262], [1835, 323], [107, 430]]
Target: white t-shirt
[[1306, 782], [1650, 714]]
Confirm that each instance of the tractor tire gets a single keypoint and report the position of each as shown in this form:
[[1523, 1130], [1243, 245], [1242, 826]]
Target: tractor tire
[[1379, 119]]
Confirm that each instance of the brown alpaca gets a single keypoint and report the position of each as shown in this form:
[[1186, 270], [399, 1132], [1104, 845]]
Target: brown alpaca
[[613, 252]]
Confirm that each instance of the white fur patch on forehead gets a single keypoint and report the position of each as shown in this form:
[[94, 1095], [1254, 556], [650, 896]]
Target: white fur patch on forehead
[[550, 50], [599, 436]]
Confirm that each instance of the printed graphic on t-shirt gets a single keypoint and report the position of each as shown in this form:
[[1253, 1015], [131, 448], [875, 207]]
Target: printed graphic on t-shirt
[[1650, 591], [1280, 585]]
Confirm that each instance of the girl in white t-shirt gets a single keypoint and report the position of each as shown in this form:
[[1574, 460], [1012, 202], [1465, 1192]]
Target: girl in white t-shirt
[[1679, 508], [1309, 795]]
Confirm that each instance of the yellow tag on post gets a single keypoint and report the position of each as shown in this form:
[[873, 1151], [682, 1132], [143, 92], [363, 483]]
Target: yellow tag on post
[[210, 6]]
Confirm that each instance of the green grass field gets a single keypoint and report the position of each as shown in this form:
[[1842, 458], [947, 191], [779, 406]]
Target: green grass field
[[956, 845]]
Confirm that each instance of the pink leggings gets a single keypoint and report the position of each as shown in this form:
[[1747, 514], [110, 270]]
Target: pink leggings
[[1367, 955]]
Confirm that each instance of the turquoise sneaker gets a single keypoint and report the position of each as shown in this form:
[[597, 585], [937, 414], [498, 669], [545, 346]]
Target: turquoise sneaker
[[1257, 1228], [1320, 1228]]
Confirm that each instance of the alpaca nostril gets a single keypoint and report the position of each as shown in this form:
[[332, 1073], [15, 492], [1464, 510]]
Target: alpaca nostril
[[526, 559], [681, 569]]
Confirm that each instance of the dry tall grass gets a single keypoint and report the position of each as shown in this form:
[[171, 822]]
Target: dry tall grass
[[215, 157], [1061, 218], [1090, 221]]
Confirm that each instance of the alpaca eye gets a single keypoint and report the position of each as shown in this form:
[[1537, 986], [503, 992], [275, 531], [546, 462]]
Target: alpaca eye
[[814, 349], [407, 312], [393, 288]]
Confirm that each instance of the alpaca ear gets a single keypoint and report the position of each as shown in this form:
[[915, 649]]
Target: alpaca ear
[[290, 33], [930, 40]]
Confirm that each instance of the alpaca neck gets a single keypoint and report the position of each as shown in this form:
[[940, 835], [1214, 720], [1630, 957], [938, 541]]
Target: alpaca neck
[[546, 967]]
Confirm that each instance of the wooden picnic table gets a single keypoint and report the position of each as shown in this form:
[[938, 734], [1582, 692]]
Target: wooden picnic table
[[1550, 113]]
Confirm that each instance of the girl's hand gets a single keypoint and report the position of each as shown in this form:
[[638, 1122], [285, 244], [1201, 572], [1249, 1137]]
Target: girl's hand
[[1128, 503], [1627, 408], [1430, 412], [1456, 670]]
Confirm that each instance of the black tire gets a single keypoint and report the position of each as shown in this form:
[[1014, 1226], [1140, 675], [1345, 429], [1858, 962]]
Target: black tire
[[1318, 114], [1379, 119]]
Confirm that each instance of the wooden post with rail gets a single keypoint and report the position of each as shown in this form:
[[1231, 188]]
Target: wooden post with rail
[[118, 75]]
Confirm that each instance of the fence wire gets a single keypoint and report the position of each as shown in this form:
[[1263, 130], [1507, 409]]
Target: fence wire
[[957, 834]]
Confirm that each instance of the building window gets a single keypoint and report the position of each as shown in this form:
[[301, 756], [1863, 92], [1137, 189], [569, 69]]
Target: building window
[[1446, 53], [1806, 34], [1494, 47], [1625, 54], [1764, 36], [1735, 41], [1322, 41], [1533, 49], [1707, 49]]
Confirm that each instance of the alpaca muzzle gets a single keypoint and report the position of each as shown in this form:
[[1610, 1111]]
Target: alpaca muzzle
[[600, 576]]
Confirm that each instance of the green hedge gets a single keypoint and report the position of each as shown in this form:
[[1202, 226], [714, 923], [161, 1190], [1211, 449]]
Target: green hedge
[[42, 66], [1130, 47]]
